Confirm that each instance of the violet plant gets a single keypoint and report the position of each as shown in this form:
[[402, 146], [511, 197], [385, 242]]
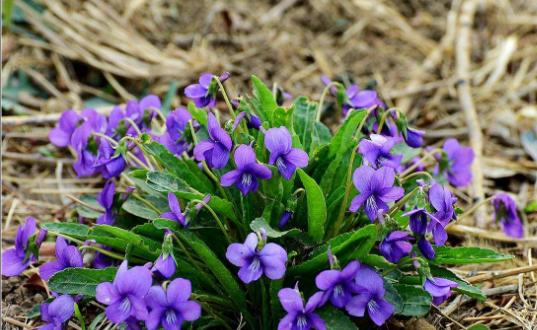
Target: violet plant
[[221, 219]]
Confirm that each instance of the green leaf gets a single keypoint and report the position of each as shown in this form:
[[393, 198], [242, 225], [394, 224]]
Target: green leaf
[[74, 230], [336, 319], [87, 212], [531, 207], [260, 223], [407, 152], [168, 98], [342, 144], [316, 206], [263, 101], [119, 239], [185, 169], [464, 287], [356, 244], [282, 117], [463, 255], [165, 182], [415, 301], [198, 114], [139, 209], [478, 327], [312, 134], [82, 281]]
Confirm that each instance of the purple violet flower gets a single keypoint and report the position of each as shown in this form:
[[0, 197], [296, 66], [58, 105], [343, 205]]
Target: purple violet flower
[[375, 190], [284, 219], [396, 245], [338, 286], [107, 162], [361, 99], [505, 212], [175, 213], [125, 295], [67, 256], [439, 288], [256, 259], [60, 136], [248, 171], [418, 220], [165, 263], [106, 200], [200, 93], [414, 137], [252, 121], [460, 158], [300, 316], [172, 307], [176, 124], [57, 312], [278, 141], [442, 201], [426, 248], [370, 297], [215, 151], [377, 151], [16, 260]]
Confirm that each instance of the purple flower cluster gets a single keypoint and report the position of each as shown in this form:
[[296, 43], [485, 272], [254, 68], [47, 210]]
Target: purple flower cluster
[[131, 298], [356, 288], [97, 154]]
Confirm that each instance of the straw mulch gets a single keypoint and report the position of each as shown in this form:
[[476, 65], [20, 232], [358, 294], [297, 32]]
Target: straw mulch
[[464, 69]]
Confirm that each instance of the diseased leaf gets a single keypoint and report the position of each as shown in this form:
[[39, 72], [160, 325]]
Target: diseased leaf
[[316, 206], [81, 281], [463, 255]]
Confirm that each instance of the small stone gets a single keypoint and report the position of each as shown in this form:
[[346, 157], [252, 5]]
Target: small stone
[[38, 298]]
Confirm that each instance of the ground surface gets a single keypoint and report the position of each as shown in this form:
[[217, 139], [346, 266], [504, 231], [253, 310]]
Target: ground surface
[[437, 61]]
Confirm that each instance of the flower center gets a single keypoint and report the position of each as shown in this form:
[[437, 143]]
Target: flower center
[[373, 306], [171, 317], [372, 204], [302, 322], [255, 265], [125, 305], [247, 179], [338, 290], [280, 163]]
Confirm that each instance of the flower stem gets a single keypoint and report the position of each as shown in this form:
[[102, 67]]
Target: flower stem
[[475, 207], [429, 154], [103, 251], [402, 201], [412, 175], [218, 221], [80, 317], [226, 98], [323, 96]]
